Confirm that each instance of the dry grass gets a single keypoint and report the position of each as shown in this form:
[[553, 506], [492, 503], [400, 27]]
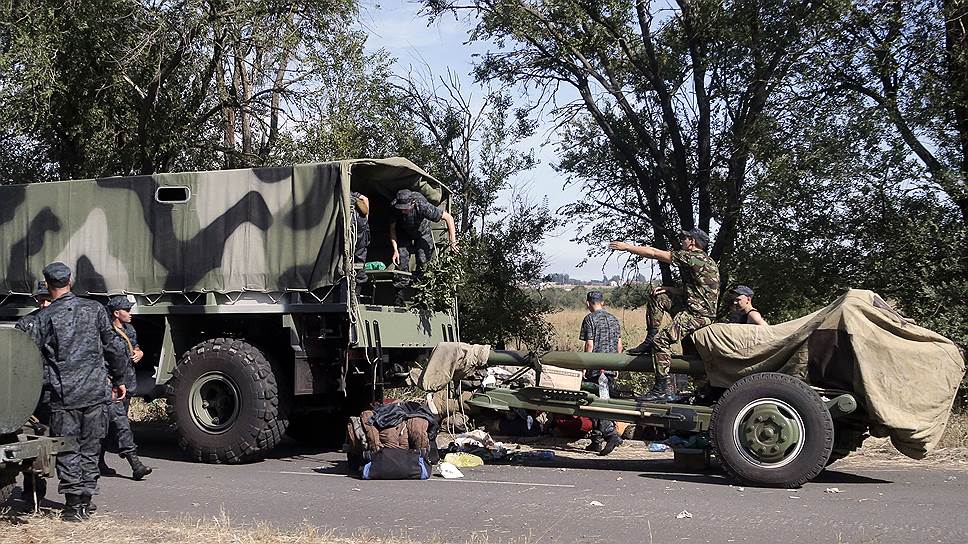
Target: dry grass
[[48, 528], [567, 324]]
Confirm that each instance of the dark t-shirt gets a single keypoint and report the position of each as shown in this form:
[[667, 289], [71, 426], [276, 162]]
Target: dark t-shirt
[[416, 223]]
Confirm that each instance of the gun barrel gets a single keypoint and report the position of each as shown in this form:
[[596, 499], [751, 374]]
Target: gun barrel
[[580, 361]]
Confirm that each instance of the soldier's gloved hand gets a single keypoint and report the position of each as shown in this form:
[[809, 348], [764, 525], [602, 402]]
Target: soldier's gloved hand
[[119, 392]]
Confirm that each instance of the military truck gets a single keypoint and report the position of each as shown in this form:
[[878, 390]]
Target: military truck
[[22, 449], [247, 304]]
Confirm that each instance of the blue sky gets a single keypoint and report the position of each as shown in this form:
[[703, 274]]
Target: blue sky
[[395, 26]]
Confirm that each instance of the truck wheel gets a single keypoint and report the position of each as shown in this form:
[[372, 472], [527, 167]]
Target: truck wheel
[[771, 430], [226, 403]]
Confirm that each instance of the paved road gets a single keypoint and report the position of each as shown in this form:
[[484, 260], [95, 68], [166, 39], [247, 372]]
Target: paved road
[[552, 503]]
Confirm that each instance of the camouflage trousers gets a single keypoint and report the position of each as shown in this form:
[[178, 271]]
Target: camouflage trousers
[[119, 428], [77, 469], [422, 248], [670, 322]]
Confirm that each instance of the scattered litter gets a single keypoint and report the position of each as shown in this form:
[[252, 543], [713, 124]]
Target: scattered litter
[[794, 497], [463, 460], [951, 478], [741, 489], [684, 514], [357, 489], [478, 439], [619, 479], [595, 503], [832, 490], [194, 504], [449, 471], [659, 447], [563, 469], [284, 492], [534, 455]]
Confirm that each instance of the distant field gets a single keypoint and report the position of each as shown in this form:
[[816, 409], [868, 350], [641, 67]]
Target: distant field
[[567, 324]]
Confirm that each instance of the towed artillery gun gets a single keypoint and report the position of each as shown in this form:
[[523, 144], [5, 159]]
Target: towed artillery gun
[[768, 429], [22, 450], [795, 397]]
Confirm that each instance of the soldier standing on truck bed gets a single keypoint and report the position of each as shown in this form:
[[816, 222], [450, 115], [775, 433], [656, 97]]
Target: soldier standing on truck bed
[[361, 212], [410, 233], [691, 307], [76, 338], [127, 338]]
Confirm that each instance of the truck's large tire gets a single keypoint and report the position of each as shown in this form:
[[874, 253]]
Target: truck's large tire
[[226, 403], [771, 430]]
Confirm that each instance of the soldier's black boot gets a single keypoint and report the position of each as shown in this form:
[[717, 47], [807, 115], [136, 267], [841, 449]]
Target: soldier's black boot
[[138, 469], [613, 442], [85, 509], [644, 348], [34, 490], [597, 442], [103, 467], [659, 391], [71, 510]]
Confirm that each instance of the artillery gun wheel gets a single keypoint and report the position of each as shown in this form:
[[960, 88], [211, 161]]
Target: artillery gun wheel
[[772, 430], [226, 403]]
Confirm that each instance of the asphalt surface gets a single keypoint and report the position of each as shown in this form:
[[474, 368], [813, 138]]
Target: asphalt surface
[[636, 500]]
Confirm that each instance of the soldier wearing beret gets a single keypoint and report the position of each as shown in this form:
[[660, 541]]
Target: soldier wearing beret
[[741, 308], [119, 308], [690, 307], [76, 338], [410, 233]]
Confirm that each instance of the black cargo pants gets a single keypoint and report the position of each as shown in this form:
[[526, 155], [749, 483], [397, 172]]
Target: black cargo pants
[[119, 431], [77, 469]]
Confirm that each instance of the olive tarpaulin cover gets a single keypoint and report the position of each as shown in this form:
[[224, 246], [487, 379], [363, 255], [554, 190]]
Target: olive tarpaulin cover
[[905, 376]]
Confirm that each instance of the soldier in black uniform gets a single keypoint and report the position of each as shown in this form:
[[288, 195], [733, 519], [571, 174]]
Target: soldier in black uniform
[[34, 489], [119, 428], [361, 211], [76, 338], [411, 233]]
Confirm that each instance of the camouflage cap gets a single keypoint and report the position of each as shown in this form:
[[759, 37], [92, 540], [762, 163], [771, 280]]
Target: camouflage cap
[[119, 302], [57, 274], [699, 235], [41, 290], [741, 290], [595, 296], [403, 200]]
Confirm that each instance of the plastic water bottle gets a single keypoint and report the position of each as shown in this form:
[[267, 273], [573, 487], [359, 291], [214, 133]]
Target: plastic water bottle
[[602, 385]]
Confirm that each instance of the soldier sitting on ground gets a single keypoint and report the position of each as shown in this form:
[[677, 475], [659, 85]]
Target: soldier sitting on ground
[[741, 308], [690, 307], [76, 338], [120, 428], [410, 232]]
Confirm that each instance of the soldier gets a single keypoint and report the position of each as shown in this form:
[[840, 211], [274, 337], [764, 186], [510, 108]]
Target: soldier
[[690, 307], [410, 234], [361, 211], [741, 308], [601, 333], [76, 338], [119, 308], [34, 489]]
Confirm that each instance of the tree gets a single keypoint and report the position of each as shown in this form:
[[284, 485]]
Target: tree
[[669, 104]]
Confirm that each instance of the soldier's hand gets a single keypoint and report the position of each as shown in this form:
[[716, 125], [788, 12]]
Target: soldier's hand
[[119, 392], [619, 246], [453, 247], [396, 257], [137, 355]]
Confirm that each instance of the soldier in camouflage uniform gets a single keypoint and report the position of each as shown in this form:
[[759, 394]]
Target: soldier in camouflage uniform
[[119, 308], [601, 333], [36, 488], [690, 307], [76, 338], [411, 233]]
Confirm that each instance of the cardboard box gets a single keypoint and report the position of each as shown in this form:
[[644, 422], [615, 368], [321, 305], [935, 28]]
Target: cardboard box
[[560, 378]]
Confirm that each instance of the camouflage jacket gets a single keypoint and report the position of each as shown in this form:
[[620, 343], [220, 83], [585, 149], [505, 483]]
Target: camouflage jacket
[[416, 223], [76, 338], [700, 281], [27, 324]]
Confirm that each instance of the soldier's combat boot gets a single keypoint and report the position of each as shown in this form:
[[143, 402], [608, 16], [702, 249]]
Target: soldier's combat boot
[[659, 391], [597, 442], [71, 511], [645, 347], [613, 442], [138, 469], [34, 490], [103, 467], [84, 508]]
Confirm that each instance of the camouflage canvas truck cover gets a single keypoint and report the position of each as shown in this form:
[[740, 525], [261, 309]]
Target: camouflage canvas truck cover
[[247, 305]]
